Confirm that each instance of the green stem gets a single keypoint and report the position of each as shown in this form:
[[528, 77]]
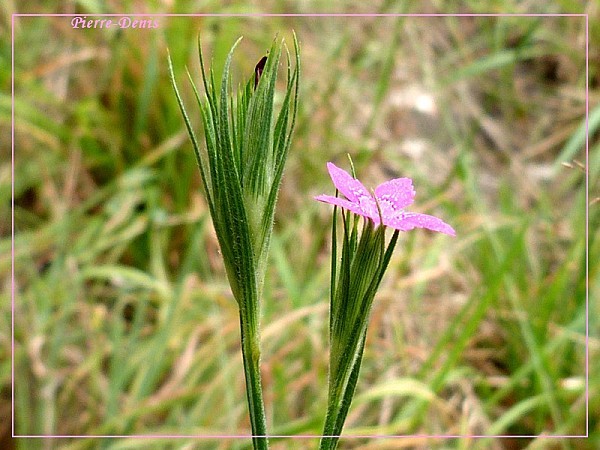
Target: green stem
[[349, 390], [251, 358], [333, 401], [340, 399]]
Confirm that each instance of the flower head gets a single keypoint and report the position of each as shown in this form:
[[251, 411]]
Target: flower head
[[391, 196]]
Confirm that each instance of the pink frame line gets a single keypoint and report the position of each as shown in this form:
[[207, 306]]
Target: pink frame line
[[237, 436]]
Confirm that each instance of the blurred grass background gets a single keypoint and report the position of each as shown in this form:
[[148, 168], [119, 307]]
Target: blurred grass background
[[124, 322]]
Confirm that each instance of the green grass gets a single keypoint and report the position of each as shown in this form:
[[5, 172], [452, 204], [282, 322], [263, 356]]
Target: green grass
[[124, 319]]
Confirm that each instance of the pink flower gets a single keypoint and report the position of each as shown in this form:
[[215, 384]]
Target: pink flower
[[392, 196]]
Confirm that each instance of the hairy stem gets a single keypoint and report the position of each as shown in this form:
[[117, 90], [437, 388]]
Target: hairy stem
[[251, 357]]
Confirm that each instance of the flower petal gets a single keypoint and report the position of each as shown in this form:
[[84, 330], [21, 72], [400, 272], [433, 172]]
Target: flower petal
[[394, 195], [342, 203], [408, 221], [353, 189]]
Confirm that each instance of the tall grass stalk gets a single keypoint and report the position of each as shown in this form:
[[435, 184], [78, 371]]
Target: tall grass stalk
[[241, 169]]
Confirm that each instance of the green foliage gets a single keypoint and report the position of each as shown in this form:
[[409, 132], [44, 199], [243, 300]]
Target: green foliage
[[243, 163], [354, 283], [121, 300], [241, 171]]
